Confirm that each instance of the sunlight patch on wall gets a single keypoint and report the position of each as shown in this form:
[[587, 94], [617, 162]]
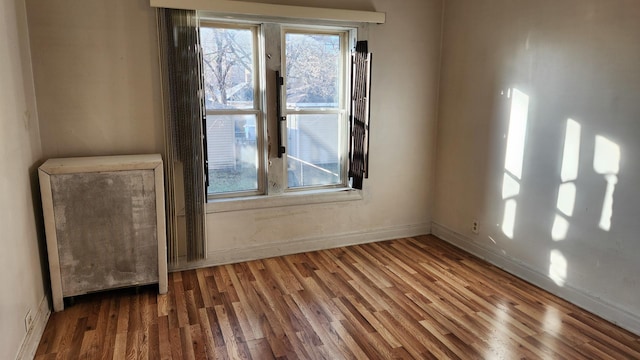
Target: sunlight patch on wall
[[517, 133], [510, 187], [560, 228], [509, 220], [606, 161], [567, 198], [557, 267], [571, 153], [568, 174], [514, 158]]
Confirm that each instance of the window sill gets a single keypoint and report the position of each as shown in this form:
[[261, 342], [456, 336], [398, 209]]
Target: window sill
[[286, 199]]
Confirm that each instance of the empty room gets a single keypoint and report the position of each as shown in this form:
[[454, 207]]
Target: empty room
[[306, 179]]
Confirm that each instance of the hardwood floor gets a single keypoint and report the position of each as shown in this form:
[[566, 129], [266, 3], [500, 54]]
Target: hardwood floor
[[408, 298]]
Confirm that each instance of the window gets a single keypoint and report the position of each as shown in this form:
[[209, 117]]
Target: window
[[234, 116], [267, 133], [315, 108]]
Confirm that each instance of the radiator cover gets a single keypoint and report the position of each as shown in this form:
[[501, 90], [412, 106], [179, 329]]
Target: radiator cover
[[105, 224]]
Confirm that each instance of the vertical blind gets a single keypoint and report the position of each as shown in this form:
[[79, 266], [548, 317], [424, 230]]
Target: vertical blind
[[180, 57]]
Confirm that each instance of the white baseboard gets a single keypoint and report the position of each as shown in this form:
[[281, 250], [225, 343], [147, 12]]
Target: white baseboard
[[33, 336], [229, 256], [581, 298]]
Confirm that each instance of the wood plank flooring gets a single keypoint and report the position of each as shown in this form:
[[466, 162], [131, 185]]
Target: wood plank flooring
[[409, 298]]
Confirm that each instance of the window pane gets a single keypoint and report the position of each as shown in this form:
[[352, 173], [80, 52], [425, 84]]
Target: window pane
[[313, 68], [312, 147], [228, 69], [233, 153]]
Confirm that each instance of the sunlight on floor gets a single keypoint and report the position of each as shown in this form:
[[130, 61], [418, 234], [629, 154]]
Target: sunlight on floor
[[499, 340], [552, 322]]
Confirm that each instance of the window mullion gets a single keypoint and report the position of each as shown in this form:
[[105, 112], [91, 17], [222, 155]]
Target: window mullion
[[271, 59]]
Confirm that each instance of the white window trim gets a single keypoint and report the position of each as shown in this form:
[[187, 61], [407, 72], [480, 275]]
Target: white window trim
[[272, 10], [309, 197]]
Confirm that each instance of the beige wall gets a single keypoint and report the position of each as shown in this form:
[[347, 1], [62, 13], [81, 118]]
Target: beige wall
[[96, 72], [575, 60], [20, 266], [97, 77]]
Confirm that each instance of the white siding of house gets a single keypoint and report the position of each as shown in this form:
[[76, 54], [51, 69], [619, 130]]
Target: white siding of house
[[221, 142]]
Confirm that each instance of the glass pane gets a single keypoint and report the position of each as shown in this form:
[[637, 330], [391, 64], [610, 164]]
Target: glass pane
[[313, 68], [233, 153], [312, 150], [228, 67]]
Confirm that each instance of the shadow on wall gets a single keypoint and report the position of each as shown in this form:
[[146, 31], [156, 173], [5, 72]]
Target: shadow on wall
[[606, 162], [38, 217]]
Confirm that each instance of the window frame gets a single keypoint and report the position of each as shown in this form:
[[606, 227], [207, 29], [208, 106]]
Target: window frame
[[258, 109], [344, 92], [265, 197]]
